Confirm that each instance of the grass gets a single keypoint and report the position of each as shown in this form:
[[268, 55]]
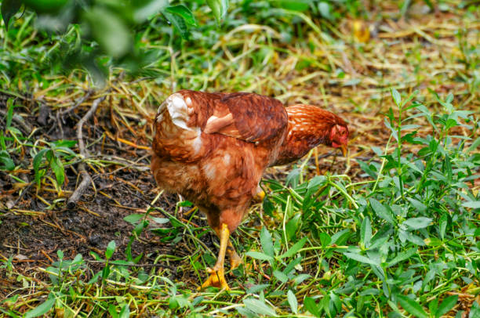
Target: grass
[[390, 231]]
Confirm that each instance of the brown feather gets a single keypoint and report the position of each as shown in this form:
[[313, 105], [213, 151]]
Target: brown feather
[[308, 126]]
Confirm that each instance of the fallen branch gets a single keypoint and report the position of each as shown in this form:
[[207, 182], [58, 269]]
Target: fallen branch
[[86, 179]]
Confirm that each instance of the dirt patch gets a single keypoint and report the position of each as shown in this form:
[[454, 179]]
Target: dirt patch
[[36, 223]]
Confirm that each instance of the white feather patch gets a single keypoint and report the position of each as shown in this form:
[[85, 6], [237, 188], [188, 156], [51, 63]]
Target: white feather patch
[[178, 110], [226, 159], [210, 171], [197, 142]]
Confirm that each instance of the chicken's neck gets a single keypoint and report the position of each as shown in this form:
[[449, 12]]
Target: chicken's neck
[[308, 126]]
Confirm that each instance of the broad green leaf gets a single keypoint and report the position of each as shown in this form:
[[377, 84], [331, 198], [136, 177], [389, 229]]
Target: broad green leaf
[[292, 301], [474, 310], [411, 306], [219, 8], [293, 178], [268, 206], [133, 218], [57, 167], [96, 276], [300, 278], [446, 305], [474, 145], [110, 31], [382, 211], [417, 223], [402, 256], [41, 309], [184, 12], [140, 226], [471, 204], [340, 237], [259, 256], [392, 129], [361, 258], [325, 239], [365, 167], [65, 143], [37, 160], [112, 310], [65, 151], [417, 205], [178, 22], [295, 248], [433, 305], [291, 265], [292, 226], [259, 307], [9, 9], [245, 312], [255, 289], [159, 220], [266, 241], [311, 306], [6, 163], [14, 131], [433, 241], [397, 98], [125, 313], [316, 182], [366, 231], [324, 9], [415, 239], [110, 249], [280, 276]]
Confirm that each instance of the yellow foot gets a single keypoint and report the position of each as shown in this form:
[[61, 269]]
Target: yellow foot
[[259, 196], [216, 279], [235, 260]]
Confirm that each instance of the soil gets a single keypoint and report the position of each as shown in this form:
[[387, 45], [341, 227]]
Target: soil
[[36, 222]]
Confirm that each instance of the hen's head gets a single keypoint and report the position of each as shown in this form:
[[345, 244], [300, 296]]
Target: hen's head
[[339, 136]]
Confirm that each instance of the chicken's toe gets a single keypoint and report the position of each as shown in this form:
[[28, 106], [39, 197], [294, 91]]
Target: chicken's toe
[[216, 279]]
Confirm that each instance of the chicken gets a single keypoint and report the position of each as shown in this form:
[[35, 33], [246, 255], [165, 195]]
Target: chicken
[[212, 148]]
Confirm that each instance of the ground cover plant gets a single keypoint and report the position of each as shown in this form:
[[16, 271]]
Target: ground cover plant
[[389, 231]]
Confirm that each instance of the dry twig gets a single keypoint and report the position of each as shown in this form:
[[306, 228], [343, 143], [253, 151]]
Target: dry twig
[[86, 179]]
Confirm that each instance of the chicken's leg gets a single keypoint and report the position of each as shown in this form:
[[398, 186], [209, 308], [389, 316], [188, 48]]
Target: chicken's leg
[[259, 195], [217, 273], [235, 260]]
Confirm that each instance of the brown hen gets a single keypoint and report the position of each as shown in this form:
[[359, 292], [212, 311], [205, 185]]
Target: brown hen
[[212, 148]]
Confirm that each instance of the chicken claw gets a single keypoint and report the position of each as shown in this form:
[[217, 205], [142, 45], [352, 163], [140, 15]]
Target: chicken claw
[[216, 279], [235, 260], [217, 273], [259, 196]]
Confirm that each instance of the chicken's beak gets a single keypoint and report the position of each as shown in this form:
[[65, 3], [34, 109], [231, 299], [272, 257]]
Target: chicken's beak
[[344, 150]]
